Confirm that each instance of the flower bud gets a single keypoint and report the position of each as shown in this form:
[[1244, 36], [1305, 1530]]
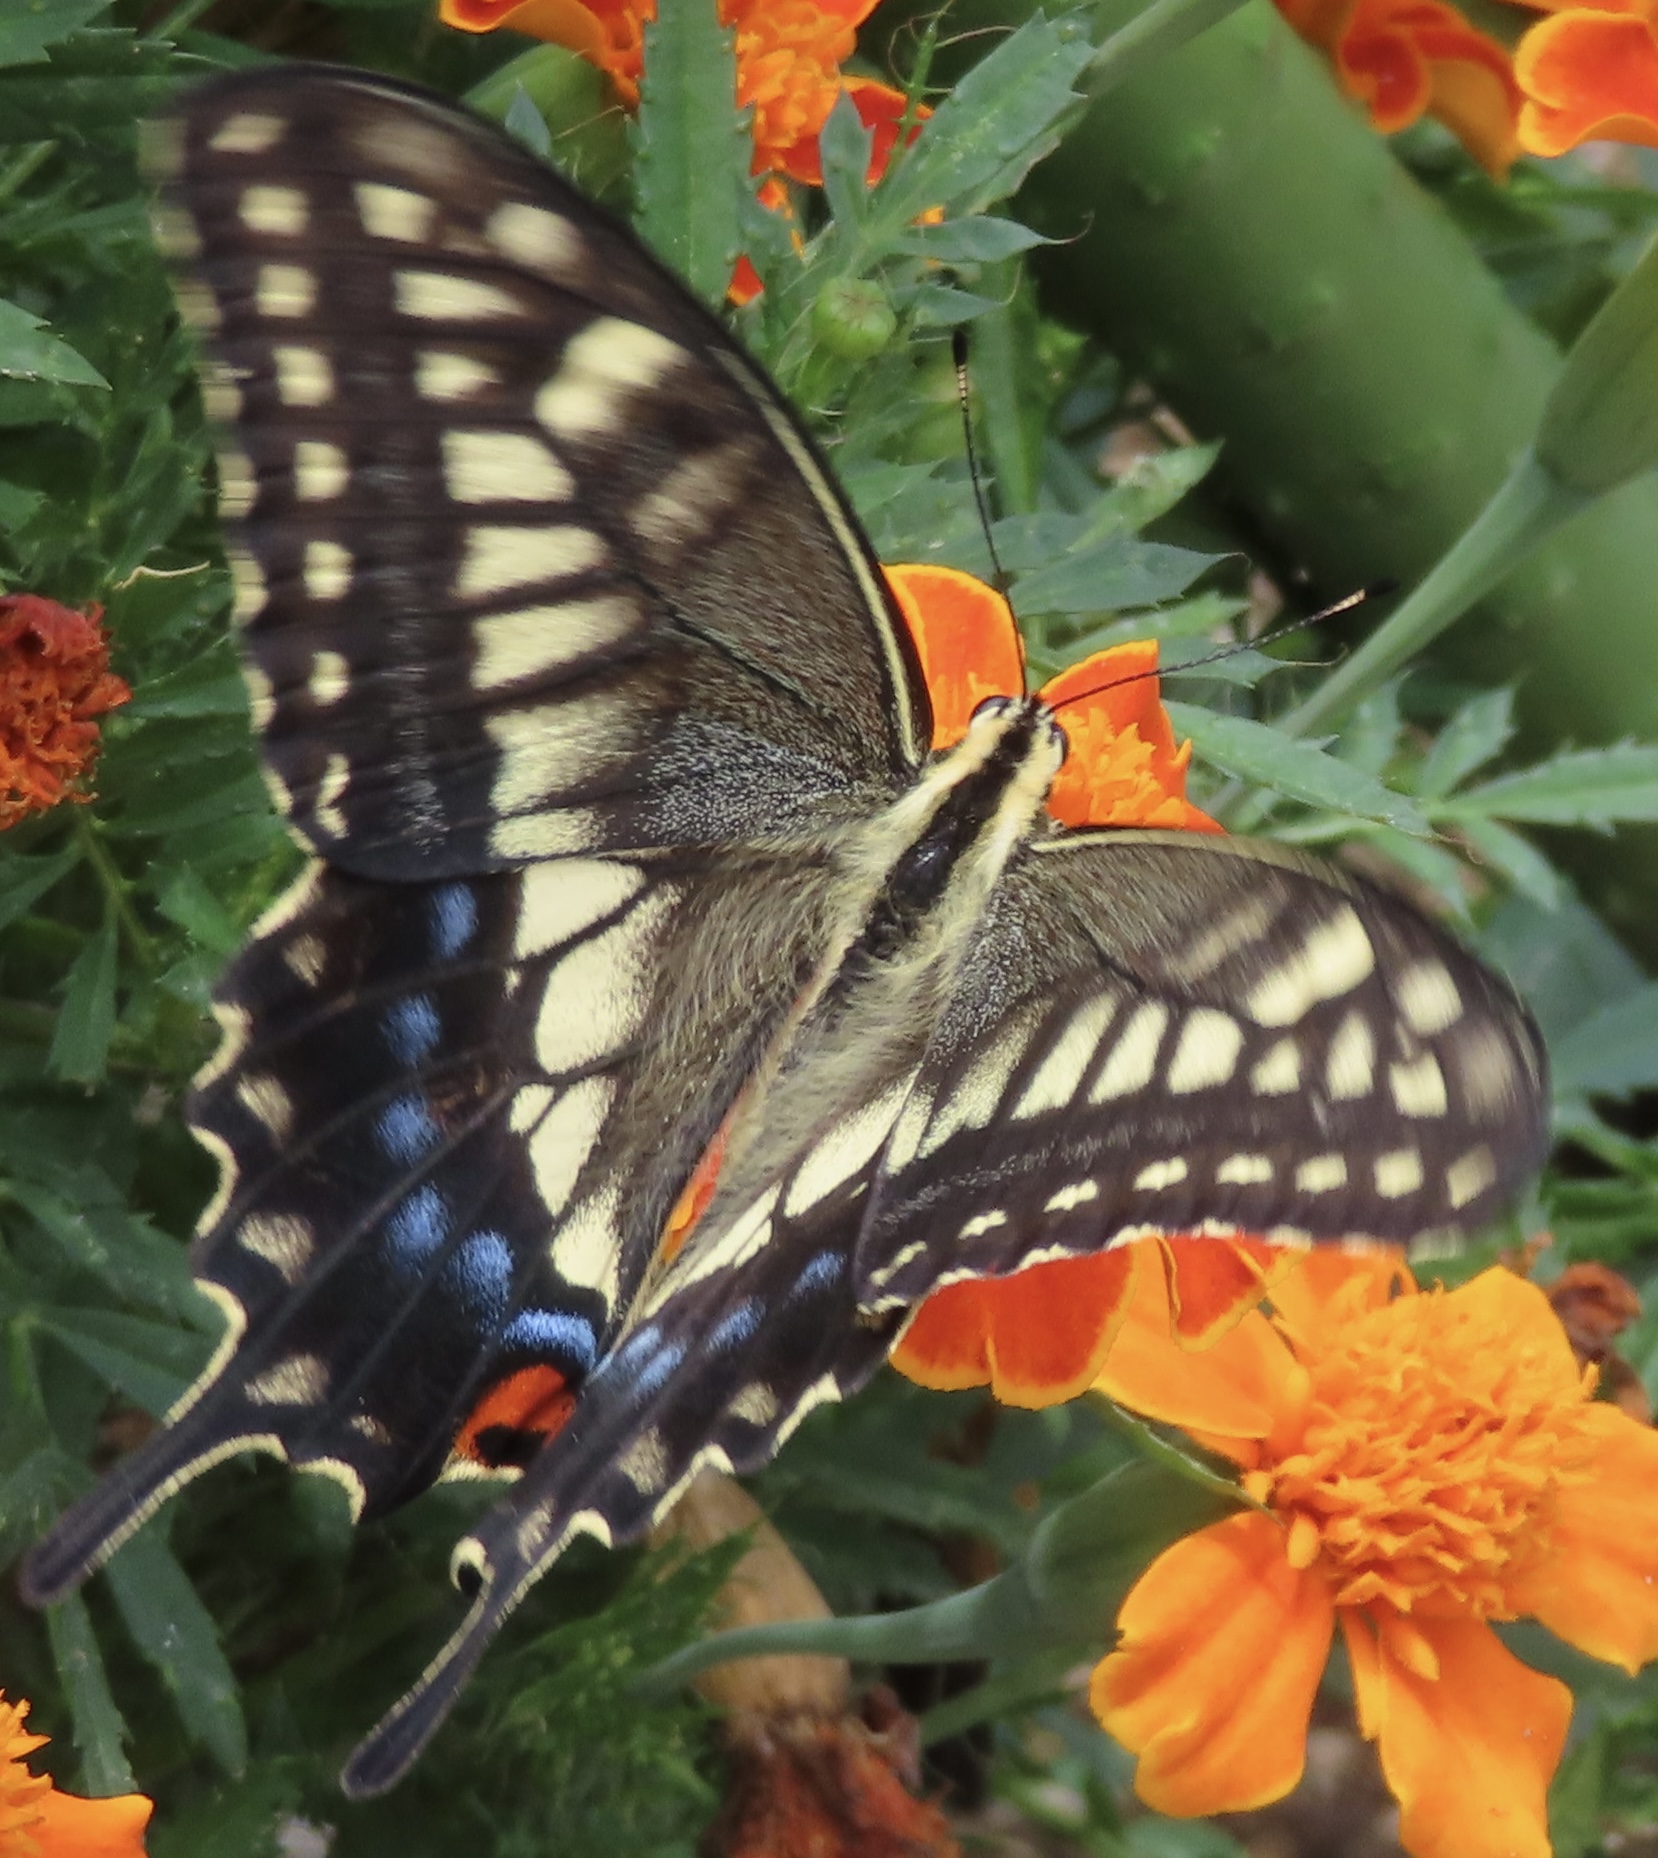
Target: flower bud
[[853, 319]]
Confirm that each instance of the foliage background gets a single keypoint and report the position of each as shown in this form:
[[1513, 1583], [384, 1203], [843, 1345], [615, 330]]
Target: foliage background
[[239, 1645]]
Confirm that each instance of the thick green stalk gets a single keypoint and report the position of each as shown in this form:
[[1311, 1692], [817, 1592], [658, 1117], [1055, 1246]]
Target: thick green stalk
[[1235, 230]]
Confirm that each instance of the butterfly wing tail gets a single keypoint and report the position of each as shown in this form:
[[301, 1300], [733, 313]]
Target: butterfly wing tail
[[699, 1382], [87, 1533]]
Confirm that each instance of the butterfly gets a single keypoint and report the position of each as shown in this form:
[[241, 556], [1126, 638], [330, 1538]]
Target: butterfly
[[580, 685]]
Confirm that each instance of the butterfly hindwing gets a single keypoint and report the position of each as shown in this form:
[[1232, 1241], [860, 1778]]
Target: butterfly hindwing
[[535, 562], [1197, 1034]]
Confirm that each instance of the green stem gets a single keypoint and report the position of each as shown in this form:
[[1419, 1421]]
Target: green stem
[[995, 1618], [1528, 506], [22, 165], [1160, 29], [115, 890], [183, 16]]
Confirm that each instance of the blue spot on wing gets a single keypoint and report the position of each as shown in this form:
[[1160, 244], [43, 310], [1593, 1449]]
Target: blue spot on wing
[[454, 916], [738, 1326], [819, 1273], [658, 1368], [405, 1130], [482, 1270], [419, 1226], [412, 1028], [553, 1332]]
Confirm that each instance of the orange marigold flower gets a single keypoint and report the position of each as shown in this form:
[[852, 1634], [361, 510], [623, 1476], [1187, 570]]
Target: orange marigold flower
[[54, 678], [1589, 74], [1124, 767], [789, 54], [1426, 1462], [1406, 59], [36, 1821]]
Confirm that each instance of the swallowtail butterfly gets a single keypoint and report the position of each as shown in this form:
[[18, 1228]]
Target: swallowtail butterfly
[[579, 682]]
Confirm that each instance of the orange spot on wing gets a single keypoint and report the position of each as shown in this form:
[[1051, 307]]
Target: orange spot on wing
[[533, 1402]]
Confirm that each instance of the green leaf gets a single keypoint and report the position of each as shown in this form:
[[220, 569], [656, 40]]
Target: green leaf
[[976, 239], [210, 685], [1371, 739], [99, 1730], [24, 880], [939, 306], [18, 504], [1581, 787], [694, 150], [30, 352], [1252, 752], [990, 131], [526, 122], [187, 901], [151, 1363], [1612, 1052], [161, 1609], [1517, 860], [1477, 732], [844, 146], [28, 27], [86, 1020]]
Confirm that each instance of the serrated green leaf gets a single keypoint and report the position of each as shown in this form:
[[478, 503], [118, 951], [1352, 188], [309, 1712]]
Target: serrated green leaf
[[98, 1727], [1109, 577], [1477, 732], [210, 685], [1519, 861], [24, 880], [977, 239], [940, 306], [1582, 787], [151, 1363], [1152, 487], [242, 793], [86, 1020], [1252, 752], [184, 899], [990, 131], [694, 151], [30, 352], [28, 27], [162, 1611], [1371, 739], [844, 145], [1612, 1052]]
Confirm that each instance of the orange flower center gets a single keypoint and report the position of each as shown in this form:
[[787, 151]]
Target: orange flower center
[[1424, 1468], [21, 1793]]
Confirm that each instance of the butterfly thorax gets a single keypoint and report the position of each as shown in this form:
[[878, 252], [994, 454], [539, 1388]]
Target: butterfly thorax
[[916, 882]]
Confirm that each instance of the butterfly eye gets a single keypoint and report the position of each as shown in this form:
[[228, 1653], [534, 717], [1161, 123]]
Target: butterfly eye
[[994, 706]]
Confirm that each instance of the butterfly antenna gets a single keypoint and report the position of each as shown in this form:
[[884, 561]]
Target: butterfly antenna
[[958, 354], [1377, 590]]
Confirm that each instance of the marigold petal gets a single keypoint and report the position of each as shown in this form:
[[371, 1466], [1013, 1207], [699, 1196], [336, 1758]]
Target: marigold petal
[[1213, 1282], [1587, 75], [966, 639], [557, 22], [70, 1827], [1233, 1392], [1598, 1589], [1303, 1297], [1469, 1755], [1123, 768], [1036, 1338], [1223, 1644]]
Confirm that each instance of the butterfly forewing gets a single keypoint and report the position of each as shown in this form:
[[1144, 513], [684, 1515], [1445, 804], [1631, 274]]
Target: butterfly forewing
[[535, 563]]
